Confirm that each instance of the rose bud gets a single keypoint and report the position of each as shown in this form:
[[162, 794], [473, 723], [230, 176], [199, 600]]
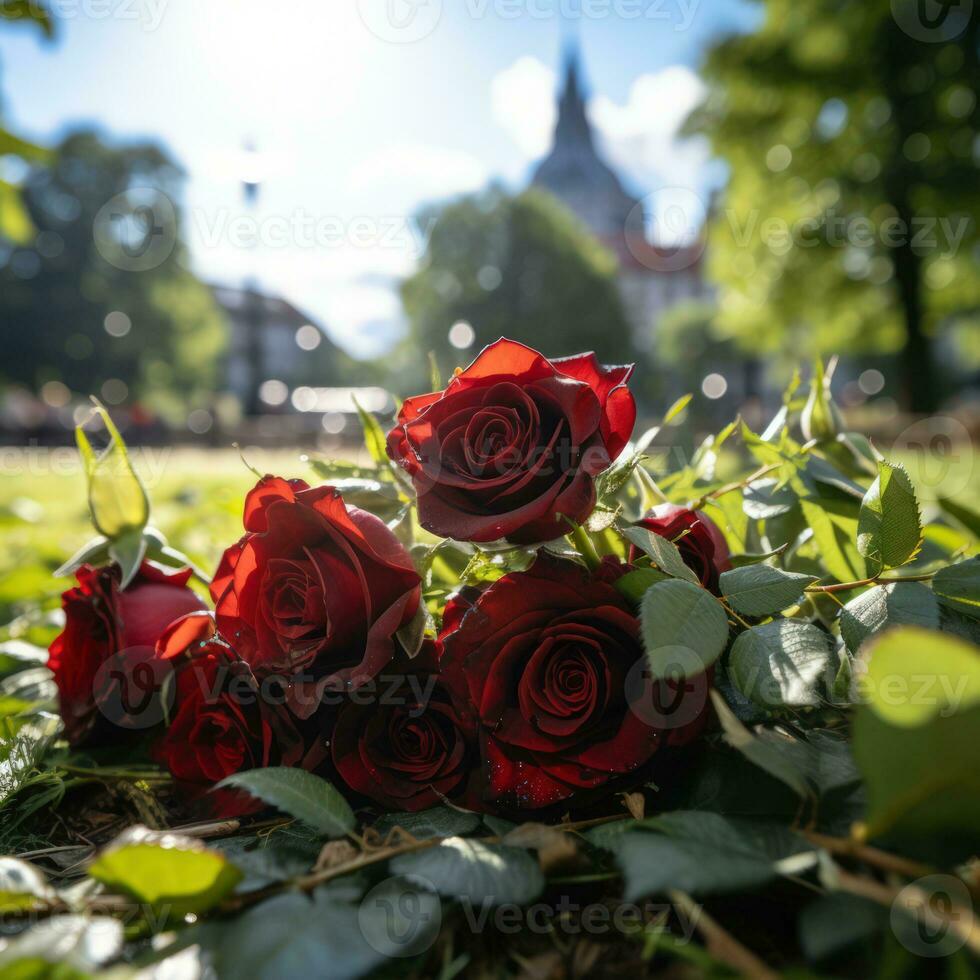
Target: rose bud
[[221, 721], [551, 661], [512, 447], [314, 586], [109, 632], [699, 540], [405, 746]]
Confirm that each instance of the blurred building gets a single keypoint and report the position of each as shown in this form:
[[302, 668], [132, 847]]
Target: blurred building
[[652, 277]]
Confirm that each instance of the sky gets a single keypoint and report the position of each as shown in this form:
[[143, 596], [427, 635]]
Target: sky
[[359, 111]]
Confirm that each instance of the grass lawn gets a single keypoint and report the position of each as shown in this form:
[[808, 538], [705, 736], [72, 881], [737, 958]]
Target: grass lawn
[[197, 497]]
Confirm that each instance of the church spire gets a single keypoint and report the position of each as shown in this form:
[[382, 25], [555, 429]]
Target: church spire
[[573, 124]]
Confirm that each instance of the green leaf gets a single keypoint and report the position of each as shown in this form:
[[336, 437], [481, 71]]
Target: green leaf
[[37, 12], [117, 500], [785, 663], [475, 872], [760, 749], [661, 552], [299, 793], [634, 584], [970, 519], [705, 853], [174, 875], [834, 532], [894, 604], [916, 734], [21, 754], [677, 408], [758, 590], [440, 821], [293, 936], [374, 437], [958, 587], [767, 498], [889, 527], [684, 629]]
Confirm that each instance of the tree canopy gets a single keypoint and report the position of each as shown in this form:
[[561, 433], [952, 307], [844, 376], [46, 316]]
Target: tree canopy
[[849, 221]]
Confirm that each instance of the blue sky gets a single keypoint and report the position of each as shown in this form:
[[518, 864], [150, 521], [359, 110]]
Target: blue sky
[[360, 110]]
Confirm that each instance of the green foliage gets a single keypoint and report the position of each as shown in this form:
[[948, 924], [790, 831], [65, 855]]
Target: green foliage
[[844, 225], [684, 628], [889, 531], [556, 289], [56, 320], [300, 794], [758, 590], [174, 875]]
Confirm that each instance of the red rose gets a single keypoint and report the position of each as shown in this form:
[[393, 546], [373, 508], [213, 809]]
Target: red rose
[[314, 586], [512, 446], [404, 746], [551, 661], [221, 722], [699, 540], [104, 623]]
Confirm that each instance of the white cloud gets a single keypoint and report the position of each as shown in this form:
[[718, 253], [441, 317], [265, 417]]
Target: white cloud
[[424, 171], [642, 137], [522, 102]]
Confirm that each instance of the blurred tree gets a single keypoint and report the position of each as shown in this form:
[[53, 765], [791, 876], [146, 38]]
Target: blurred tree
[[520, 267], [849, 222], [15, 223], [103, 294]]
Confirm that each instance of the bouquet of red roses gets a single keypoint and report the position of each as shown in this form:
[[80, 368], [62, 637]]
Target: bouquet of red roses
[[517, 678]]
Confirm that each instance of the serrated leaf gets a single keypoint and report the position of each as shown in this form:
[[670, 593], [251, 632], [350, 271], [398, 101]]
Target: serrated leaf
[[684, 629], [958, 587], [704, 853], [474, 872], [894, 604], [758, 590], [374, 437], [784, 663], [440, 821], [173, 874], [889, 527], [660, 551], [299, 793]]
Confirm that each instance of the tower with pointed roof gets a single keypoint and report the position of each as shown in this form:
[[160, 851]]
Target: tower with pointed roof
[[575, 172], [652, 277]]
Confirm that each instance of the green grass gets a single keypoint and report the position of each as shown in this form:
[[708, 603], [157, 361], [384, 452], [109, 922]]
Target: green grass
[[197, 497]]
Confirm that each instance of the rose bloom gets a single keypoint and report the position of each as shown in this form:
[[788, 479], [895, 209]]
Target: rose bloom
[[221, 722], [513, 445], [313, 586], [699, 540], [103, 622], [405, 746], [551, 661]]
